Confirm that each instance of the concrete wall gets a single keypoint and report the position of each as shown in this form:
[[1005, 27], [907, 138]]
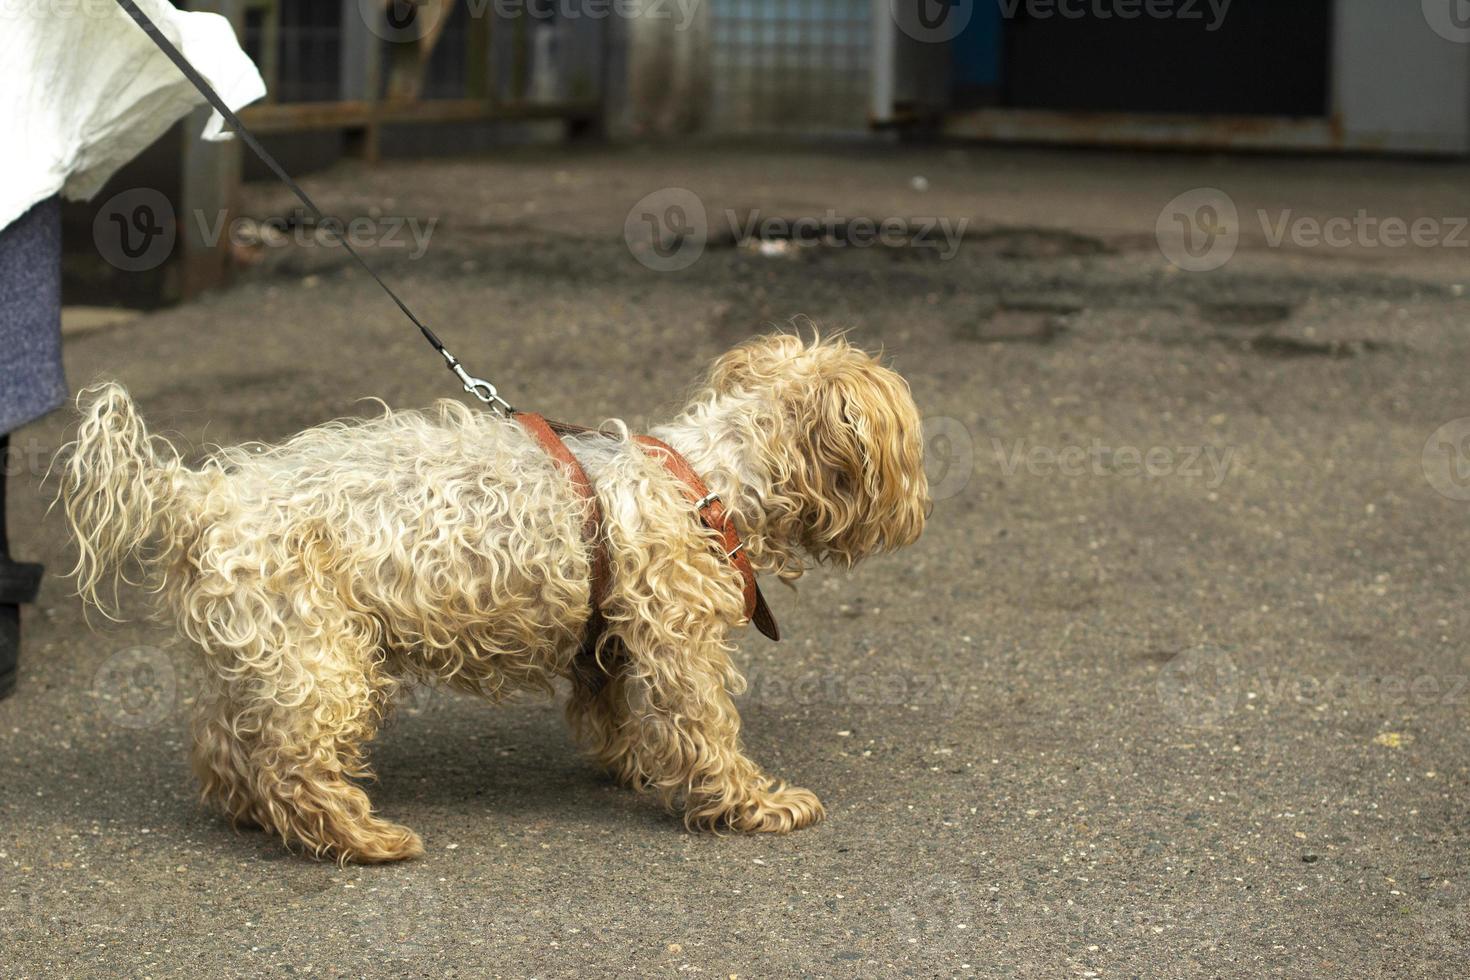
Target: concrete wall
[[740, 67], [1399, 83], [661, 79]]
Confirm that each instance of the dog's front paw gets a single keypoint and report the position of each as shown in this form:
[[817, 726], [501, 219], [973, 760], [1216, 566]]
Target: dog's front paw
[[777, 811], [373, 841]]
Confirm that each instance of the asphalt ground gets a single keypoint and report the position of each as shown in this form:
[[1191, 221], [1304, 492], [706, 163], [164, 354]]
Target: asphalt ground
[[1174, 685]]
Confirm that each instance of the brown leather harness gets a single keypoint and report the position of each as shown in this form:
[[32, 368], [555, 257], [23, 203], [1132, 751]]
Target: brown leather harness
[[707, 505]]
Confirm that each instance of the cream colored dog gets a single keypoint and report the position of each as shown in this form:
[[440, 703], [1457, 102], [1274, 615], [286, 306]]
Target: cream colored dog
[[319, 576]]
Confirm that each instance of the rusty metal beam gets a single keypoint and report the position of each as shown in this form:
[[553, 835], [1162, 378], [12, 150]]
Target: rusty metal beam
[[304, 116], [1153, 131]]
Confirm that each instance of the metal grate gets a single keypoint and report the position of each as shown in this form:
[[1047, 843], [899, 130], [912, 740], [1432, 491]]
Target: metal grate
[[298, 46], [790, 65], [448, 65]]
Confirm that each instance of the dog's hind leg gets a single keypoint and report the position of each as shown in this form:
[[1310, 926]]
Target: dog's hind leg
[[277, 746], [665, 723]]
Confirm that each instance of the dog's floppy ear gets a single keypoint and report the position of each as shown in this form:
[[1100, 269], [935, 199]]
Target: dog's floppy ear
[[845, 454], [863, 453]]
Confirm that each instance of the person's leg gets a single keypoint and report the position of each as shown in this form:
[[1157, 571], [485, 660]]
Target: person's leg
[[9, 615], [18, 583], [31, 382]]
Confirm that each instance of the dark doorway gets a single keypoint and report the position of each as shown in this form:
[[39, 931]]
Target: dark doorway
[[1258, 59]]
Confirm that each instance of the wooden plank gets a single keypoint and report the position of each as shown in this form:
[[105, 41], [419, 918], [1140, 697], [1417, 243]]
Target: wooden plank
[[306, 116]]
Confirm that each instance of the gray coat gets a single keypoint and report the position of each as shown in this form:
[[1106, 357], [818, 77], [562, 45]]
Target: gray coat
[[31, 380]]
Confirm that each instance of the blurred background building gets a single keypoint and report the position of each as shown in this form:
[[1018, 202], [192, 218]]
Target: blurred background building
[[374, 78]]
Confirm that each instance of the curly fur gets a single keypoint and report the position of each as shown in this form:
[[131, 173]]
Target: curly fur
[[318, 576]]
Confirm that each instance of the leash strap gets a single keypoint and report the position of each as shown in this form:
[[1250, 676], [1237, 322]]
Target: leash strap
[[481, 389]]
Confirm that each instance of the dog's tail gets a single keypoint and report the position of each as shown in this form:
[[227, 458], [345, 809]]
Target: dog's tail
[[117, 485]]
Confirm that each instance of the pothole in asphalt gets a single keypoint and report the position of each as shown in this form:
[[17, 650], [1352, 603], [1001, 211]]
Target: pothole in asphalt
[[1287, 348], [1247, 313], [1013, 327], [1055, 304], [1034, 243], [1020, 318]]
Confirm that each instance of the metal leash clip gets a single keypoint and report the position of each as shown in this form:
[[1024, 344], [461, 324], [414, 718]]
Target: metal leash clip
[[479, 387]]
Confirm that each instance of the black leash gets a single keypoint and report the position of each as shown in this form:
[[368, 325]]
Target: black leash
[[481, 389]]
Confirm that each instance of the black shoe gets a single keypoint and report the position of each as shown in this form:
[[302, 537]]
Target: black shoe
[[9, 647], [18, 584]]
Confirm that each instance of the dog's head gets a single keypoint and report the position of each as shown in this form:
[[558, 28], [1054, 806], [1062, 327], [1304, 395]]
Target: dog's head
[[845, 454]]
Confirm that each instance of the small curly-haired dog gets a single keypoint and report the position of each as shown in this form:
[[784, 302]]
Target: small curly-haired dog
[[319, 576]]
